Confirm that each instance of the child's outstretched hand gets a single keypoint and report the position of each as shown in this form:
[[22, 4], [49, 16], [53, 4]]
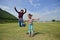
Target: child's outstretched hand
[[37, 19], [25, 10]]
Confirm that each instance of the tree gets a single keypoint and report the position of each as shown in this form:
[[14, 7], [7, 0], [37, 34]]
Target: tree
[[53, 20]]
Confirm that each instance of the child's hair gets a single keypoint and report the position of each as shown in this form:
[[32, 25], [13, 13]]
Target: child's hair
[[22, 10], [30, 15]]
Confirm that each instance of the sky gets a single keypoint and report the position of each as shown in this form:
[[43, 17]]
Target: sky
[[46, 10]]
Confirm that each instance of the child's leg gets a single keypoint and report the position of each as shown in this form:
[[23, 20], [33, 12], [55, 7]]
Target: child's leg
[[29, 29], [19, 21], [32, 30]]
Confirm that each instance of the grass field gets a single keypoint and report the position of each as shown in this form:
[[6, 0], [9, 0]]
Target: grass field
[[43, 31]]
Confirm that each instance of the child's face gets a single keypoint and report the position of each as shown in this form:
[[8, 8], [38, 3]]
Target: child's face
[[22, 11], [29, 16]]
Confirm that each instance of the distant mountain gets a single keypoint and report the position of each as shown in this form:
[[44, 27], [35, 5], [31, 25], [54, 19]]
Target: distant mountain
[[4, 16]]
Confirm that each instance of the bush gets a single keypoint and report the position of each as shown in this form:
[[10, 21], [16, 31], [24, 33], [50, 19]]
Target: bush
[[53, 20]]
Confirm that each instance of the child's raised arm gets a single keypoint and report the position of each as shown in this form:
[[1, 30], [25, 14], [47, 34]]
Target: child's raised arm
[[16, 9], [25, 10]]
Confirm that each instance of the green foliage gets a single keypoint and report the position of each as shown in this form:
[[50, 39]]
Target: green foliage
[[53, 20], [6, 16]]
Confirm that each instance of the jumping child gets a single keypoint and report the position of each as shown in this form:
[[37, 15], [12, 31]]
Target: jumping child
[[30, 21], [20, 16]]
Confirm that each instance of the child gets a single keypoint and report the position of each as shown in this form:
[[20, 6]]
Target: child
[[20, 16], [30, 21]]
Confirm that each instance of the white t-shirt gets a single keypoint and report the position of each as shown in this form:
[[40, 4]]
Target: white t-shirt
[[30, 21]]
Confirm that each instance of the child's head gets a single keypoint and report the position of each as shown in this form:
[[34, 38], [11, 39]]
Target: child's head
[[22, 11], [29, 16]]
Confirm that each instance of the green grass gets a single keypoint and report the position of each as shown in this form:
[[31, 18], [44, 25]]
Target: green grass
[[43, 31]]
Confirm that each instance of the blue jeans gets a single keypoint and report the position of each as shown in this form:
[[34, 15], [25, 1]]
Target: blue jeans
[[30, 29], [20, 22]]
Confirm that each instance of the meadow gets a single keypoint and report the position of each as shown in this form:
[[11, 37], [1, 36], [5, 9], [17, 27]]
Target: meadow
[[42, 31]]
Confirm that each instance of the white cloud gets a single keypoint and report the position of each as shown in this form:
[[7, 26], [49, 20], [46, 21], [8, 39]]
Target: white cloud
[[44, 15], [8, 9], [47, 11], [36, 4], [4, 7], [48, 14]]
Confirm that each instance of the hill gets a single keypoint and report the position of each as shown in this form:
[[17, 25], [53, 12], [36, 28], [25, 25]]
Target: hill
[[6, 16]]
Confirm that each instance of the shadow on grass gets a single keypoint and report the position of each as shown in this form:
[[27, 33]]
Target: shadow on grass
[[36, 33]]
